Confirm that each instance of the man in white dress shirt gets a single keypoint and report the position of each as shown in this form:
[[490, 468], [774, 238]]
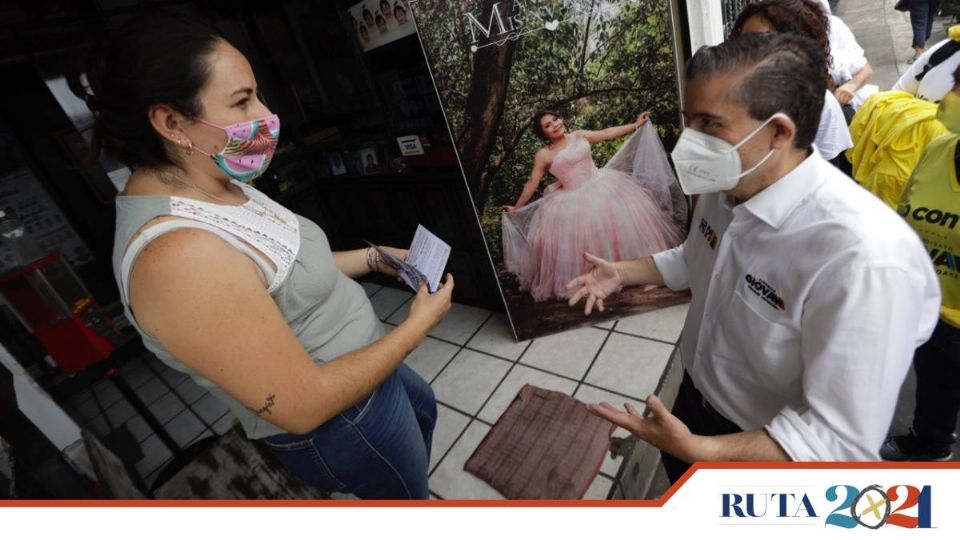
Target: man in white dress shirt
[[809, 295]]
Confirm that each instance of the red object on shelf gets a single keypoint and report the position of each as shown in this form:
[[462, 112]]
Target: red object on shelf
[[57, 308]]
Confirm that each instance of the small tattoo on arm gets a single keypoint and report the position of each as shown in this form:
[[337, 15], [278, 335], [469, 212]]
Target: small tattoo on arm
[[266, 406]]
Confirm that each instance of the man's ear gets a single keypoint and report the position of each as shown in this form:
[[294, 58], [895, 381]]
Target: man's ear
[[785, 131], [168, 124]]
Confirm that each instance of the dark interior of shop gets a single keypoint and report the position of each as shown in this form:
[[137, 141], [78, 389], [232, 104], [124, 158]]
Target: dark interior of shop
[[338, 163]]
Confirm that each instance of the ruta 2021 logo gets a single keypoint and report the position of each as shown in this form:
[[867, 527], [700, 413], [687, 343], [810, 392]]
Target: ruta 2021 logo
[[872, 507]]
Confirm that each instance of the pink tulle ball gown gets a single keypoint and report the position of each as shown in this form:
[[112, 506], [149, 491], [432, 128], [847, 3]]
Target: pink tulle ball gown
[[628, 209]]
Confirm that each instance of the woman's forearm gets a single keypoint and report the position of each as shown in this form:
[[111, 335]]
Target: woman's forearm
[[351, 377], [618, 131], [861, 77], [353, 263], [528, 190]]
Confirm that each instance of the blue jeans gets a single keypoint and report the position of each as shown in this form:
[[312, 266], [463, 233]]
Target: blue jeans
[[937, 363], [377, 449], [922, 13]]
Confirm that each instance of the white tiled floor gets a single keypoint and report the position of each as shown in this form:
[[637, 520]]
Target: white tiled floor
[[616, 361], [472, 362], [569, 353]]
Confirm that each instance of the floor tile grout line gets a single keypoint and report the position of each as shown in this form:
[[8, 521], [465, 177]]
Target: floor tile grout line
[[566, 378], [460, 350], [494, 391], [524, 353], [471, 417], [374, 293], [119, 396], [449, 449], [594, 361], [614, 392], [648, 338], [396, 309], [530, 341], [187, 445], [467, 346], [548, 372], [442, 369], [476, 416]]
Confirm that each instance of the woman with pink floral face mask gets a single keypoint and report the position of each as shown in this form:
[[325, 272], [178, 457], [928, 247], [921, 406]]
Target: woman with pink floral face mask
[[242, 294]]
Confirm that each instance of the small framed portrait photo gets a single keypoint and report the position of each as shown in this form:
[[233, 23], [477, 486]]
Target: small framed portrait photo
[[369, 161], [337, 163]]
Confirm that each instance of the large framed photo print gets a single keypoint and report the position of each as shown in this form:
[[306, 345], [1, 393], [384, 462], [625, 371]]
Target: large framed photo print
[[561, 111]]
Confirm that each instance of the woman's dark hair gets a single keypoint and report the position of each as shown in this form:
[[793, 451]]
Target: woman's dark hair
[[537, 128], [802, 17], [155, 60], [380, 19], [781, 73], [397, 8], [384, 2]]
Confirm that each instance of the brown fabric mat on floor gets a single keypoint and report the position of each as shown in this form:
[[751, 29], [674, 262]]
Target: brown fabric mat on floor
[[546, 445]]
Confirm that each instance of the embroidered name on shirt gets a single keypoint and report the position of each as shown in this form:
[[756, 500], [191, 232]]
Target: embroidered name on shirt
[[763, 289], [707, 231]]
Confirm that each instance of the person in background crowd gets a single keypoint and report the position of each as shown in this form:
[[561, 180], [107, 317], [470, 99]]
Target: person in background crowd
[[849, 68], [889, 134], [922, 13], [809, 296], [931, 205], [803, 19], [238, 292], [931, 76]]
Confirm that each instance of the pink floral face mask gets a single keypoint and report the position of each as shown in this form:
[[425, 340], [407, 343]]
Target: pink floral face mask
[[249, 148]]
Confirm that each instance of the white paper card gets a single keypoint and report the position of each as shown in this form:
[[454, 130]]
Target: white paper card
[[425, 261]]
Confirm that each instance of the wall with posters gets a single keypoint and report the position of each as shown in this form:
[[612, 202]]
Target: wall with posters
[[595, 65], [378, 22]]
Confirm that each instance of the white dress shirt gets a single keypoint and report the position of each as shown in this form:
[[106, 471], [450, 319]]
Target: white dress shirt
[[808, 301], [833, 135], [847, 55]]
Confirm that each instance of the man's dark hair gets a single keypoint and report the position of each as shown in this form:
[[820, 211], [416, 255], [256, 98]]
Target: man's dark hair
[[780, 73]]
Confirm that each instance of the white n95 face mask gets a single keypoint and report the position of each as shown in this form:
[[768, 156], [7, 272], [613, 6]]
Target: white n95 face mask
[[706, 164]]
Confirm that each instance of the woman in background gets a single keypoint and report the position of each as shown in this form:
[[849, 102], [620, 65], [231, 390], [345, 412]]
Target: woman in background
[[607, 212], [804, 18]]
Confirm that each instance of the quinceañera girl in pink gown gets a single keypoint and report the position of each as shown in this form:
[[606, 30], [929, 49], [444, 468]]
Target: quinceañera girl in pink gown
[[630, 208]]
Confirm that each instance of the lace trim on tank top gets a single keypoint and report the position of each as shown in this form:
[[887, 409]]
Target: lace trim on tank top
[[261, 222]]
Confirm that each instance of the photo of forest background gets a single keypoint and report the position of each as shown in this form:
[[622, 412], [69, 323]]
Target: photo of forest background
[[497, 63]]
